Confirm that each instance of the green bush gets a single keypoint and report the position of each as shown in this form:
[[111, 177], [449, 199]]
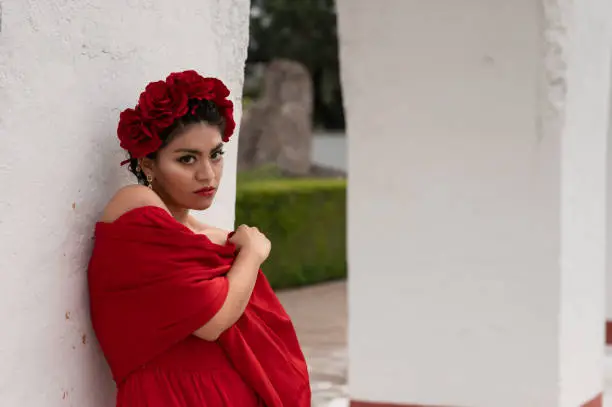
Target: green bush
[[305, 219]]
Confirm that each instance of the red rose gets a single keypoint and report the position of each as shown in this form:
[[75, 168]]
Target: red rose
[[134, 134], [223, 104], [226, 108], [221, 91], [192, 84], [196, 86], [230, 125], [161, 104]]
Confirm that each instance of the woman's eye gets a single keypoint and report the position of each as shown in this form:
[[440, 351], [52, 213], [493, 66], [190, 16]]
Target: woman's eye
[[187, 159], [217, 155]]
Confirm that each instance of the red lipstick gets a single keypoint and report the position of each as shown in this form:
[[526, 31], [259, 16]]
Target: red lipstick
[[208, 191]]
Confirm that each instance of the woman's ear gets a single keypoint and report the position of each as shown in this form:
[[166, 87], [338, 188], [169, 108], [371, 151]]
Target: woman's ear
[[146, 165]]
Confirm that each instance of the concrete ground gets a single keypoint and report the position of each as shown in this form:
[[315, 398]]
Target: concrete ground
[[320, 317]]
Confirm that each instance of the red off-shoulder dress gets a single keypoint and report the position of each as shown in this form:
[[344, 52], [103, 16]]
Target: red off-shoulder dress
[[152, 283]]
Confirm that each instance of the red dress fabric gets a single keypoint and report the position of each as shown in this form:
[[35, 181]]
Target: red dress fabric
[[152, 283]]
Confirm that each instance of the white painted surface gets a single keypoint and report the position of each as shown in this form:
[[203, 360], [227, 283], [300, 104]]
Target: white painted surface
[[608, 379], [585, 61], [609, 219], [476, 200], [67, 68]]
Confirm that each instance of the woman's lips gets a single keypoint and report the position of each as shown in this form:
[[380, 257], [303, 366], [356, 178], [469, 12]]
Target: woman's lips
[[208, 191]]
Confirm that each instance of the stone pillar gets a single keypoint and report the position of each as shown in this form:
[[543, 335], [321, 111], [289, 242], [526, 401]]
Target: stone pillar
[[476, 200], [66, 71]]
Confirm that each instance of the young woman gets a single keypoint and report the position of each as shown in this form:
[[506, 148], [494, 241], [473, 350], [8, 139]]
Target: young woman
[[181, 309]]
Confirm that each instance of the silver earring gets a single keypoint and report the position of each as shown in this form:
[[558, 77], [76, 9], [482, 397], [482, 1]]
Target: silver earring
[[150, 181]]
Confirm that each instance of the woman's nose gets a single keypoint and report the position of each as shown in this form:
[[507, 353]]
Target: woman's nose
[[205, 171]]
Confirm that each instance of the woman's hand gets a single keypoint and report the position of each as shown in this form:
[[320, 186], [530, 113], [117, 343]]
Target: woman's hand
[[253, 249], [249, 240]]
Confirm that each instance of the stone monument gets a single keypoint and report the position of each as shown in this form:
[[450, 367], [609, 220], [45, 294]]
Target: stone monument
[[277, 129]]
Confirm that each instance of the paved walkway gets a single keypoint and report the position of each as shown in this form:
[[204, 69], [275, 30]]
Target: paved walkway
[[320, 316]]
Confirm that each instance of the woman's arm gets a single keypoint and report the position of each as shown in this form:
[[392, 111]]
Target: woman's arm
[[241, 278], [253, 249]]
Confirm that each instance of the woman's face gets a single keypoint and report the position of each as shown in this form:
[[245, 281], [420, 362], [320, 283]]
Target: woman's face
[[187, 171]]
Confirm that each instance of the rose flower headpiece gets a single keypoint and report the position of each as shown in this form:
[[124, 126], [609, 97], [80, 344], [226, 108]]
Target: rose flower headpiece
[[163, 102]]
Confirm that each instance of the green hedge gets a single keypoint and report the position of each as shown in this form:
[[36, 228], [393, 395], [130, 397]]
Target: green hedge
[[305, 219]]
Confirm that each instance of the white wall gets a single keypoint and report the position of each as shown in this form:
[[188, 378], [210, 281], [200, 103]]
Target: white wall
[[476, 135], [67, 68]]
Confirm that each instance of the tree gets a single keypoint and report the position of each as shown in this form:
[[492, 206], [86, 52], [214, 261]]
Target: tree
[[305, 31]]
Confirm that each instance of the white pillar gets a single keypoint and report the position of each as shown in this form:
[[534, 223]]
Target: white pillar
[[609, 232], [66, 71], [477, 140]]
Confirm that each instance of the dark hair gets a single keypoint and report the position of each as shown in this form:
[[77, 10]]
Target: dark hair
[[199, 111]]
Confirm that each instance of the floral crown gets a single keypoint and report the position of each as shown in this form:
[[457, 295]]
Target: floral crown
[[163, 102]]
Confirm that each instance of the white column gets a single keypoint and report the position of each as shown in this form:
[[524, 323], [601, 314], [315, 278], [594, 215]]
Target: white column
[[477, 159], [66, 71], [608, 324]]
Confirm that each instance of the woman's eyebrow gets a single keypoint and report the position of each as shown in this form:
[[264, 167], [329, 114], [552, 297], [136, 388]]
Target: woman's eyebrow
[[188, 150], [218, 147]]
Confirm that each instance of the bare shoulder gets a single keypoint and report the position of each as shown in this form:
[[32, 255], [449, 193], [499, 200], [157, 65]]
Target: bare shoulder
[[129, 198]]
